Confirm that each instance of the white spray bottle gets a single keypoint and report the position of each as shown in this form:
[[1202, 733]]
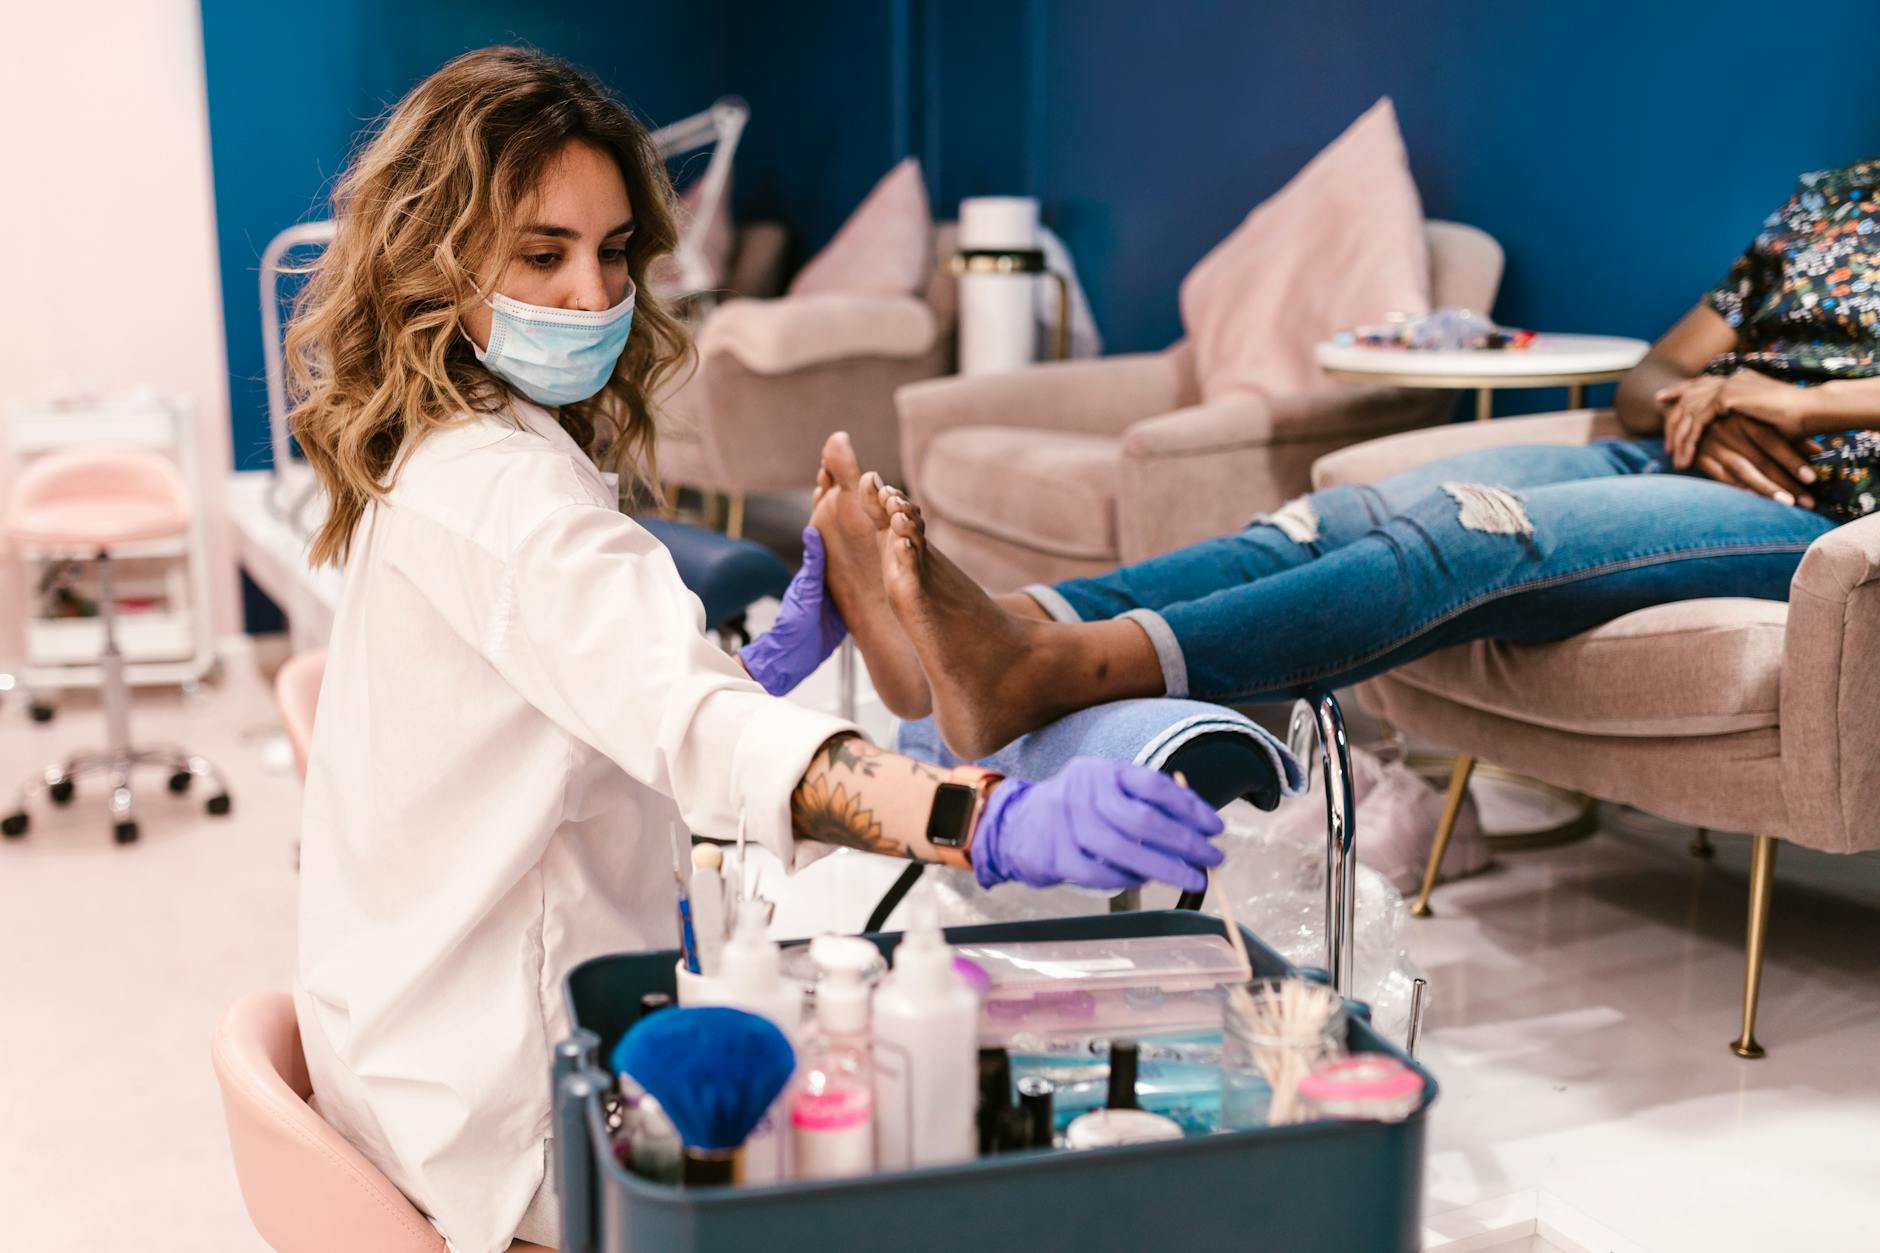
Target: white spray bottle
[[751, 979], [926, 1053]]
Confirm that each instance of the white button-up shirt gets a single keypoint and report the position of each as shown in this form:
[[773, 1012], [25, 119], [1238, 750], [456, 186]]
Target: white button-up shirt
[[520, 704]]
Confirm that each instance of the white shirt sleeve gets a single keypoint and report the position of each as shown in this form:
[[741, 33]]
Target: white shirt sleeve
[[594, 627]]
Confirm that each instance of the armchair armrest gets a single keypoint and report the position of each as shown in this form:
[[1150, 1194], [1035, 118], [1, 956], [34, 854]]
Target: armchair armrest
[[1831, 691], [1380, 458], [1093, 397], [795, 332]]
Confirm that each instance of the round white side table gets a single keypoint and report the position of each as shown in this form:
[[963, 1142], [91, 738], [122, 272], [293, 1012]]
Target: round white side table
[[1569, 361]]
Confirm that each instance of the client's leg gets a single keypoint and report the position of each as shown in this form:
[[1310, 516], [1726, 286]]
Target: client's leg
[[1468, 561], [1471, 562], [1324, 521]]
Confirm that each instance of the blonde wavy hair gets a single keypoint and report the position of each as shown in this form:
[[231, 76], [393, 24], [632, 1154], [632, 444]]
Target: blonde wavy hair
[[373, 350]]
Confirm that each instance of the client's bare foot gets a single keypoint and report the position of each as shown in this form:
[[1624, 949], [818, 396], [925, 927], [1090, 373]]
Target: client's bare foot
[[853, 572], [990, 672]]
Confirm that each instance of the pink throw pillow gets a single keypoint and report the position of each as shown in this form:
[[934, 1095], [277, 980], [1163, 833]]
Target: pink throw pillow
[[886, 246], [1339, 245]]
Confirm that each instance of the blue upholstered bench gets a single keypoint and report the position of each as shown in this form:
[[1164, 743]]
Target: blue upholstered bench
[[728, 575]]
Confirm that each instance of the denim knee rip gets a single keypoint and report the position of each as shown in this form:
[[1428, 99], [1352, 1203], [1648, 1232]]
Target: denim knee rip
[[1491, 510], [1298, 519]]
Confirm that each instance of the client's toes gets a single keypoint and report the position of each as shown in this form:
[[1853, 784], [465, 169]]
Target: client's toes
[[905, 522], [838, 461], [874, 494]]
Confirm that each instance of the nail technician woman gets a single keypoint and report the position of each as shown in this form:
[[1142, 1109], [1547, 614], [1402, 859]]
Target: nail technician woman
[[520, 702]]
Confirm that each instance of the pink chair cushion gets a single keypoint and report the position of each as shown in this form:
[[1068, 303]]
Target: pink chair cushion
[[1339, 245], [308, 1190], [97, 497], [297, 695], [886, 246]]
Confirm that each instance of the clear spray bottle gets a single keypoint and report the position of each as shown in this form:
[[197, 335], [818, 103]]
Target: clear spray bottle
[[832, 1114]]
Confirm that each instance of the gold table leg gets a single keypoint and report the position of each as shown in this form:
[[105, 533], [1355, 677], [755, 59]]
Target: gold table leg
[[1576, 395], [1452, 808], [734, 516], [1762, 880], [1484, 403]]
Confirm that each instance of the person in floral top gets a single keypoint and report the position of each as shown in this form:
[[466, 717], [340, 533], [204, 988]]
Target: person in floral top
[[1794, 326]]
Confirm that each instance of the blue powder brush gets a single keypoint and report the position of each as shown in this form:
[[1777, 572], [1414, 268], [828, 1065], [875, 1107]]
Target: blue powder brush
[[715, 1072]]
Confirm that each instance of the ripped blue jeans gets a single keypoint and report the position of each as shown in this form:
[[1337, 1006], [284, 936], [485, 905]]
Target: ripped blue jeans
[[1533, 542]]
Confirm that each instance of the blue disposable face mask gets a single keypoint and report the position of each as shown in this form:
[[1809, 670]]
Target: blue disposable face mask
[[555, 356]]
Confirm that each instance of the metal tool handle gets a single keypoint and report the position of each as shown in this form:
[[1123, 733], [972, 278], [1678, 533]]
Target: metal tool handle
[[574, 1165], [1319, 717]]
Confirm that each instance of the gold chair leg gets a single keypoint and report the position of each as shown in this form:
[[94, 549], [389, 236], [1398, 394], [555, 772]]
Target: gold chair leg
[[1701, 845], [734, 515], [1762, 880], [1452, 808]]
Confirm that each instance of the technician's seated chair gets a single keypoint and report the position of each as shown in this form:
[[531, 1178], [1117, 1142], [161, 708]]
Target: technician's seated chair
[[763, 400], [1071, 468], [297, 696], [308, 1190], [1744, 715], [86, 503]]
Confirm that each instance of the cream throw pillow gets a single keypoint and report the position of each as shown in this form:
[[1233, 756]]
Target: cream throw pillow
[[1340, 244], [886, 246]]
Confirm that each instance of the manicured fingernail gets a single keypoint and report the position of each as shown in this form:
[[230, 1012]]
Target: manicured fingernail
[[1805, 474], [1783, 498]]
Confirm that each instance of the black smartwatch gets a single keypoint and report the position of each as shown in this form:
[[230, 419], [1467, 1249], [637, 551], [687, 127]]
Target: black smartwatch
[[951, 820]]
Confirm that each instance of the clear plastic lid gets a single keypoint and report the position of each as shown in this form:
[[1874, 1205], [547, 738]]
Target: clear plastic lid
[[1175, 963], [1041, 989]]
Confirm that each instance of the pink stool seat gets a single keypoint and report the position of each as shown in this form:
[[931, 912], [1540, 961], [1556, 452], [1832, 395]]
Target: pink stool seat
[[96, 498]]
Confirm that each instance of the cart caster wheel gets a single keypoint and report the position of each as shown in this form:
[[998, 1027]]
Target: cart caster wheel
[[13, 826], [40, 713], [60, 792], [218, 805], [180, 781], [125, 833]]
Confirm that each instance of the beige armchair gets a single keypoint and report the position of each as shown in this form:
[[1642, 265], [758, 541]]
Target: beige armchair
[[1743, 715], [776, 376], [1070, 468]]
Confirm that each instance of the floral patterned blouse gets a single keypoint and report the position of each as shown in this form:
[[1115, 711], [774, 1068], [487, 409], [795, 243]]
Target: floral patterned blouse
[[1805, 302]]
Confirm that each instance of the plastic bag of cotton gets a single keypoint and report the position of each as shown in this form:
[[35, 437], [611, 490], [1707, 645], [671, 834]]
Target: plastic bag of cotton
[[1276, 873]]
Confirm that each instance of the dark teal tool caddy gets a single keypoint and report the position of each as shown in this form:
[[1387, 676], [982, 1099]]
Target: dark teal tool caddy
[[1335, 1187]]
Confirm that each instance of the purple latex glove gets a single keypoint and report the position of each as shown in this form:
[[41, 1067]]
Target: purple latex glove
[[807, 629], [1097, 823]]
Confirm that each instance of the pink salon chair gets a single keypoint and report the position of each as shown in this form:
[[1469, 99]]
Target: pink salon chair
[[297, 695], [308, 1190], [81, 505]]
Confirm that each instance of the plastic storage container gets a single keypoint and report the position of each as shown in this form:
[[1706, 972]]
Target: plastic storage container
[[1045, 989], [1331, 1186]]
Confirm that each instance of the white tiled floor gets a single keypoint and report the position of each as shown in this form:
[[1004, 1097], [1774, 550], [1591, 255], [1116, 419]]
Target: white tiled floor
[[1583, 1001]]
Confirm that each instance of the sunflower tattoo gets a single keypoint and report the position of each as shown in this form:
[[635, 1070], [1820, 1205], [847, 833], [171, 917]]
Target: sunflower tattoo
[[828, 813], [827, 805]]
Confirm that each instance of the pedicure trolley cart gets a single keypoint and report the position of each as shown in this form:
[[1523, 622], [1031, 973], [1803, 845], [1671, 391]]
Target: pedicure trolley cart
[[1330, 1186]]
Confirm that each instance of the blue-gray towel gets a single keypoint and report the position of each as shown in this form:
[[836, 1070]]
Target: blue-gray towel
[[1148, 732]]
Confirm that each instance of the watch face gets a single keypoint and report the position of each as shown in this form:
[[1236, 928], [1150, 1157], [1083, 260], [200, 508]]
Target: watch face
[[952, 811]]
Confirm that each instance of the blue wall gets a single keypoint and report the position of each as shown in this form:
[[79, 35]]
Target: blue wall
[[1622, 153], [290, 87]]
